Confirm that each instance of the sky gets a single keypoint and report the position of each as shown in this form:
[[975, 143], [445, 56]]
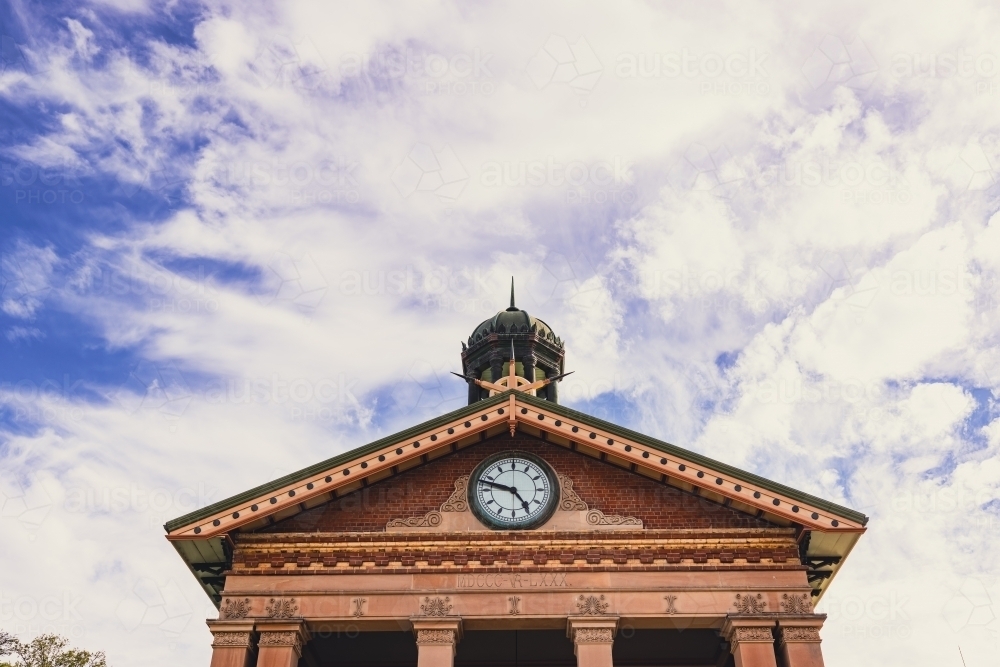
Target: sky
[[240, 238]]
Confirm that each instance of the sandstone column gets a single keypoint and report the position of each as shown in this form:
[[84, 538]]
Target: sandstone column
[[592, 638], [280, 643], [436, 640], [751, 640], [232, 643], [798, 639]]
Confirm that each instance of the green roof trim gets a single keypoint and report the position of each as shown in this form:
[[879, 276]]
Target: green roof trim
[[497, 400]]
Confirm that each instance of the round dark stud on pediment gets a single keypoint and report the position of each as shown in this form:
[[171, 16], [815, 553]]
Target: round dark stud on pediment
[[216, 522], [834, 523], [309, 486], [775, 502], [197, 530], [364, 464], [291, 494], [756, 494], [253, 508], [814, 516], [682, 467], [701, 473], [236, 515], [274, 500]]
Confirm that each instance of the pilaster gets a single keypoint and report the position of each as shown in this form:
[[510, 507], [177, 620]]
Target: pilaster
[[593, 637], [751, 640], [799, 640], [280, 643], [232, 643], [437, 639]]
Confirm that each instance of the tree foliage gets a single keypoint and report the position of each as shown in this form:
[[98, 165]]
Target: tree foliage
[[46, 651]]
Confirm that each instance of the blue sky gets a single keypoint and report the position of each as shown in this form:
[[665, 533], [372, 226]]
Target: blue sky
[[235, 240]]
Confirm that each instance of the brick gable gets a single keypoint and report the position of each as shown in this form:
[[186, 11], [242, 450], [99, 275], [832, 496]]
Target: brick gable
[[601, 485]]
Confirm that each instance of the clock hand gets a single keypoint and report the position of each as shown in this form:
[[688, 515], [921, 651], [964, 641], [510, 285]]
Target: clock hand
[[508, 489]]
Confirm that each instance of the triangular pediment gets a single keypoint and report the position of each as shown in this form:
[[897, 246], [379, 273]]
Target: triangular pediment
[[201, 535]]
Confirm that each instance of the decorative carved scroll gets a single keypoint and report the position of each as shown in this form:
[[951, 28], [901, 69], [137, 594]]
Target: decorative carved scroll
[[285, 638], [429, 520], [231, 639], [592, 605], [515, 602], [359, 606], [436, 606], [751, 634], [671, 599], [435, 637], [750, 604], [796, 604], [800, 634], [593, 636], [235, 608], [281, 608], [458, 501], [599, 518], [569, 501]]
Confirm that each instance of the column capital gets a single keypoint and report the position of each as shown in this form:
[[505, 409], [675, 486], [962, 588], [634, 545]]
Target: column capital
[[746, 629], [591, 629], [800, 628], [439, 630], [236, 634], [292, 634]]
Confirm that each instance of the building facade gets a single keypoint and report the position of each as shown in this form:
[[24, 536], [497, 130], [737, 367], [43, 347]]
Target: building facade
[[515, 531]]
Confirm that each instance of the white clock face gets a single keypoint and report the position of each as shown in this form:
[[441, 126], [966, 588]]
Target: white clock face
[[514, 490]]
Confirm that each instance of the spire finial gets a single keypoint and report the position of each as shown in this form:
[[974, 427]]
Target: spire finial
[[512, 306]]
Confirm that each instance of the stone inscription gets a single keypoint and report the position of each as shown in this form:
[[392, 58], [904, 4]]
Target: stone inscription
[[513, 580]]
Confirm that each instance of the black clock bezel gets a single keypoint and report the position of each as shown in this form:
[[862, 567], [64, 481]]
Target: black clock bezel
[[486, 519]]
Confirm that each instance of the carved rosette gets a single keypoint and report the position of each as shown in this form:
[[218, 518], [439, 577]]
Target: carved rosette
[[799, 634], [593, 636], [569, 501], [231, 639], [235, 608], [282, 638], [591, 605], [435, 637], [750, 604], [751, 634], [436, 606], [796, 604], [458, 501]]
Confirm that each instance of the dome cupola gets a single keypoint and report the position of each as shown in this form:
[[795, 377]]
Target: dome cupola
[[539, 354]]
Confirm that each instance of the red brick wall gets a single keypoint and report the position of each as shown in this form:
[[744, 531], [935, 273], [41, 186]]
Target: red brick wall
[[601, 485]]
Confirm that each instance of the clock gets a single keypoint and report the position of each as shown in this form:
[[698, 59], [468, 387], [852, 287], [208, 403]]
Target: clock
[[513, 491]]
